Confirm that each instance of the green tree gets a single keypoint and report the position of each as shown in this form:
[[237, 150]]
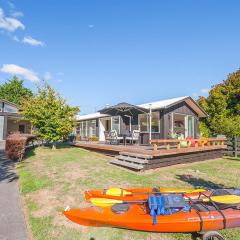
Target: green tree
[[223, 107], [14, 91], [50, 115]]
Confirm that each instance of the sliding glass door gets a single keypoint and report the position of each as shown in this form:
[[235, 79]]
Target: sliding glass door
[[190, 126], [183, 125], [116, 123]]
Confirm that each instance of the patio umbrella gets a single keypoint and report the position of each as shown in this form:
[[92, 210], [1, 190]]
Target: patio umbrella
[[123, 109]]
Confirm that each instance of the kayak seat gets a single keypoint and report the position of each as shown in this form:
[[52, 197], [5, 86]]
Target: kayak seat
[[156, 190], [220, 192], [120, 208]]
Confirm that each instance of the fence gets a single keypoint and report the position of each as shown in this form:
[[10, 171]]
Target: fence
[[233, 147]]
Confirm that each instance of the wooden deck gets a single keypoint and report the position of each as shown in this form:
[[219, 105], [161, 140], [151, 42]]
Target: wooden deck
[[142, 157]]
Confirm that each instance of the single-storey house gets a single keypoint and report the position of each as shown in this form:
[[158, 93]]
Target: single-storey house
[[11, 121], [171, 116]]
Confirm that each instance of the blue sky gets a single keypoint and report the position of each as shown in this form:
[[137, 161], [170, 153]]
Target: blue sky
[[104, 52]]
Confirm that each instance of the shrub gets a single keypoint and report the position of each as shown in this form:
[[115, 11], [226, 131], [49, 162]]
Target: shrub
[[16, 144], [93, 139]]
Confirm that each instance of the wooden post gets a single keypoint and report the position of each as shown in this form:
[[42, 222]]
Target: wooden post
[[178, 145], [168, 146], [154, 147], [235, 146]]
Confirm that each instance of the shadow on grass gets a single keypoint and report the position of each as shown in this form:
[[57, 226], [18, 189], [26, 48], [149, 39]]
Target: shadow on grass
[[30, 153], [199, 182], [60, 145], [232, 158]]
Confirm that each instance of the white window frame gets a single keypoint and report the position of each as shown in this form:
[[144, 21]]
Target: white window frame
[[118, 124], [139, 125]]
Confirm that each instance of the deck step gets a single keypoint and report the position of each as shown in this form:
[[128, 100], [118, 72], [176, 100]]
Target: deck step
[[138, 155], [132, 159], [127, 164]]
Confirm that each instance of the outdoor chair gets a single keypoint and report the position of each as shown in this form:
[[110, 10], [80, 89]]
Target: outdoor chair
[[114, 138], [107, 137], [134, 138]]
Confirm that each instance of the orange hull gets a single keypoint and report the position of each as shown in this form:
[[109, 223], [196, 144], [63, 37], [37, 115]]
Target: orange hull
[[135, 196], [137, 218]]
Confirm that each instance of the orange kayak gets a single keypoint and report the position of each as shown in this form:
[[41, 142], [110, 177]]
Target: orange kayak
[[137, 217], [132, 194]]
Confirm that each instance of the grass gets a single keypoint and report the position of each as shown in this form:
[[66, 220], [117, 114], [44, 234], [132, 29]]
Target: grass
[[50, 180]]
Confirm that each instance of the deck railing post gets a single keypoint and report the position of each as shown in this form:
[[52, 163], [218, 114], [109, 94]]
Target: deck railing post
[[235, 146], [150, 123]]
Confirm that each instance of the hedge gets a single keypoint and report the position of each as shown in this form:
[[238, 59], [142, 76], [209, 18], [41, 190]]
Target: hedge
[[16, 145]]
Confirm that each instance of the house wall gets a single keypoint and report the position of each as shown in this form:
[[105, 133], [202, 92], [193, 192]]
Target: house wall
[[165, 122], [13, 126], [181, 108]]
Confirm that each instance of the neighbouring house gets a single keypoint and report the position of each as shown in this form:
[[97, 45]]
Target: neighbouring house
[[171, 116], [11, 120]]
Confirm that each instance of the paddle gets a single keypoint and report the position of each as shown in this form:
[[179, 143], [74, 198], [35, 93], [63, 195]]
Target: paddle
[[226, 199], [119, 192]]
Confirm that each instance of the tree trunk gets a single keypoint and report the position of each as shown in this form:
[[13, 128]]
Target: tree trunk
[[54, 146]]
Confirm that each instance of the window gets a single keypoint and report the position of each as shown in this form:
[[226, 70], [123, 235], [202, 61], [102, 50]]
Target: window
[[155, 122], [91, 128], [21, 128], [78, 128], [190, 120], [178, 124], [116, 123], [84, 126], [144, 122], [10, 109]]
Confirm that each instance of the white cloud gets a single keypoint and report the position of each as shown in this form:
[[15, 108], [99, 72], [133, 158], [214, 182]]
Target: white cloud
[[31, 41], [91, 25], [9, 24], [204, 90], [15, 38], [47, 76], [59, 80], [17, 70], [17, 14], [11, 5]]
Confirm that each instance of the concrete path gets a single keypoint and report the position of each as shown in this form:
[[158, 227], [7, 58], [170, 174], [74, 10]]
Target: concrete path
[[12, 223]]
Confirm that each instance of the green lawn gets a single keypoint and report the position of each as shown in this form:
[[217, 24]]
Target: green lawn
[[51, 180]]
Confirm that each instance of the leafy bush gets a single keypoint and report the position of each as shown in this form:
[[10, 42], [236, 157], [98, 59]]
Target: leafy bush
[[93, 139], [16, 144]]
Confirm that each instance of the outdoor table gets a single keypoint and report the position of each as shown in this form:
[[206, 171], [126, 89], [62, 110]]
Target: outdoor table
[[124, 135]]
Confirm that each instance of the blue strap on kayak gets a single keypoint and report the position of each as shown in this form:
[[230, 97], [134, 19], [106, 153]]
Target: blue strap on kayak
[[162, 209], [154, 218], [152, 204], [158, 205]]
